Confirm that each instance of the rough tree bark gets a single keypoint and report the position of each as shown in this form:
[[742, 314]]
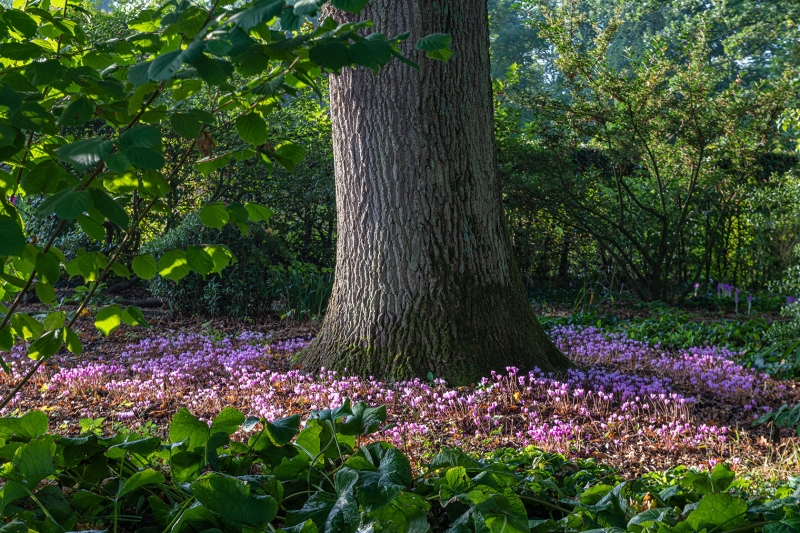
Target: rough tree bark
[[425, 278]]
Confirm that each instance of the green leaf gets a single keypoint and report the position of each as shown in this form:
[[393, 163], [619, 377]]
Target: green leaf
[[139, 480], [6, 339], [12, 240], [46, 345], [221, 255], [231, 499], [92, 228], [77, 113], [144, 158], [48, 266], [722, 477], [116, 163], [45, 292], [371, 53], [408, 513], [351, 6], [199, 260], [718, 510], [258, 12], [108, 319], [67, 203], [333, 56], [214, 215], [165, 66], [364, 420], [185, 125], [173, 265], [252, 129], [84, 154], [227, 421], [26, 327], [436, 46], [186, 426], [43, 178], [73, 342], [281, 432], [21, 22], [29, 426], [34, 461], [120, 270], [133, 316], [20, 51], [307, 7], [154, 184], [110, 208], [145, 266], [258, 213], [212, 71]]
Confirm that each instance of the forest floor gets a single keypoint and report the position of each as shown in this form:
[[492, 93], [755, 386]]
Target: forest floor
[[634, 406]]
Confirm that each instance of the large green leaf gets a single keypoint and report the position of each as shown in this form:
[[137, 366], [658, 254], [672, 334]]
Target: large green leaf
[[408, 513], [67, 203], [371, 53], [436, 46], [231, 499], [351, 6], [34, 461], [77, 112], [139, 480], [145, 266], [43, 178], [185, 125], [258, 213], [110, 208], [199, 260], [26, 327], [281, 432], [227, 421], [173, 265], [214, 215], [256, 13], [12, 240], [86, 153], [332, 55], [28, 426], [718, 510], [185, 426], [364, 420], [20, 51], [108, 319], [252, 129]]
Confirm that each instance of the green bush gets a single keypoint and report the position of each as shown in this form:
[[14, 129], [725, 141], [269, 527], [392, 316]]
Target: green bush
[[245, 289]]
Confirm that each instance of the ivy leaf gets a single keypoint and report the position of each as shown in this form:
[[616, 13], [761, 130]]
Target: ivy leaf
[[173, 265], [12, 239], [145, 266], [84, 154], [333, 56], [351, 6], [67, 203], [252, 129]]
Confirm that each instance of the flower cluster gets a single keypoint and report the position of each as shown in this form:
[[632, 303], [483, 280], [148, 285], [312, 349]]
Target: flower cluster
[[625, 393]]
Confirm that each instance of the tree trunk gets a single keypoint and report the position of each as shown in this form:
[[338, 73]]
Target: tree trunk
[[425, 278]]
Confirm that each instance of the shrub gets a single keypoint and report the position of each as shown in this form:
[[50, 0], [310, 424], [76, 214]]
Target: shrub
[[244, 290]]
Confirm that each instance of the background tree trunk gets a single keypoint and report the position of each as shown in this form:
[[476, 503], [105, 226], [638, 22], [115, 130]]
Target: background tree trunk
[[425, 278]]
